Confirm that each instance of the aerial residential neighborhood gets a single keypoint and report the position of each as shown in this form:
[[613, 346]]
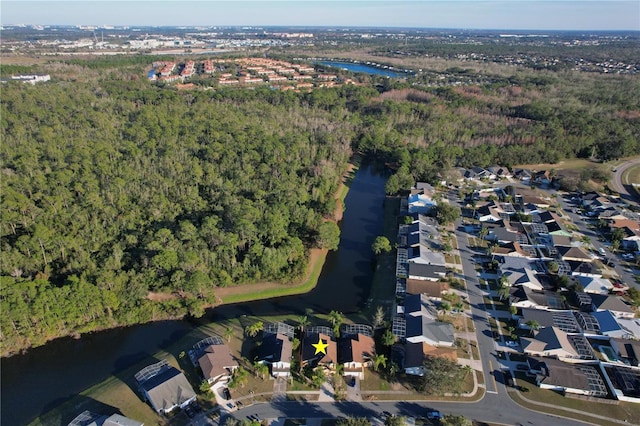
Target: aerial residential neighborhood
[[558, 313], [246, 72], [331, 213]]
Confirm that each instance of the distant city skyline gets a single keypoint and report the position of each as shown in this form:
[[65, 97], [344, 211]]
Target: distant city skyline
[[587, 15]]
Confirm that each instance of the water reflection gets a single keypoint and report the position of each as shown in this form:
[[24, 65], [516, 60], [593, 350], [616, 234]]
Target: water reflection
[[41, 379]]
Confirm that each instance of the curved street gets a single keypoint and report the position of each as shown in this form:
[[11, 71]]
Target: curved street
[[619, 185]]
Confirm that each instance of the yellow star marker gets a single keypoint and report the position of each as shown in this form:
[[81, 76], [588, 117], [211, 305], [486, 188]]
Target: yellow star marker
[[321, 347]]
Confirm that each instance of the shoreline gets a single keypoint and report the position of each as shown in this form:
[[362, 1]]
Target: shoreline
[[317, 257], [244, 292]]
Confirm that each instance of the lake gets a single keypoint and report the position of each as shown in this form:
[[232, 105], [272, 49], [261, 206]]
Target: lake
[[368, 69], [44, 377]]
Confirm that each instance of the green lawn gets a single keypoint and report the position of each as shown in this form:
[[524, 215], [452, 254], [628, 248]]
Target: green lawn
[[383, 286], [283, 290], [622, 411]]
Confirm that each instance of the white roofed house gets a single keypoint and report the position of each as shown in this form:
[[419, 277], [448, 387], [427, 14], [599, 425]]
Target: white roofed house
[[165, 387], [522, 296], [615, 304], [420, 203], [88, 418], [555, 343], [435, 333], [419, 323], [500, 171], [421, 254], [525, 277], [597, 285]]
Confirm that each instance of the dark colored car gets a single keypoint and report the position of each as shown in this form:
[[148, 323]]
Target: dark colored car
[[189, 411], [508, 377], [227, 394]]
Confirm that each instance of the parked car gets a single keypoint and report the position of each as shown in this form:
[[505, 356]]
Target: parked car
[[189, 411], [508, 377], [226, 393], [432, 415]]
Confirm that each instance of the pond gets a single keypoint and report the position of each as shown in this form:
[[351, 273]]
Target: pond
[[368, 69], [38, 381]]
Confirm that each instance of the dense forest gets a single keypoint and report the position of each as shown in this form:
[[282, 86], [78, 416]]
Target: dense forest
[[113, 188]]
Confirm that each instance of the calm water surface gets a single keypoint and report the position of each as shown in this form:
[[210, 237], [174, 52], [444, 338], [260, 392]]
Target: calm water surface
[[41, 379], [349, 66]]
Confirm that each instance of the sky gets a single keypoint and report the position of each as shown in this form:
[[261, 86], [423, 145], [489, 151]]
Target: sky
[[465, 14]]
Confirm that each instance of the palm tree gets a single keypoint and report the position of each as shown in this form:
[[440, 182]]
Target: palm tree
[[504, 280], [393, 370], [459, 306], [255, 328], [445, 307], [303, 321], [240, 377], [378, 360], [336, 318], [388, 338], [483, 232], [533, 325], [228, 332], [490, 248], [378, 318], [503, 292], [260, 369]]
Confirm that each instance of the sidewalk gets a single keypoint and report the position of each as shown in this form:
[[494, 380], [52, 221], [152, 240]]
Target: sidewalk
[[326, 393]]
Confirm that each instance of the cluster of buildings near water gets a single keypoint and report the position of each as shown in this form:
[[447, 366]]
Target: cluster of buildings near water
[[246, 72], [576, 335]]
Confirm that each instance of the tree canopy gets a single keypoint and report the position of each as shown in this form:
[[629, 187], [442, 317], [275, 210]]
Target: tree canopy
[[115, 191], [381, 245]]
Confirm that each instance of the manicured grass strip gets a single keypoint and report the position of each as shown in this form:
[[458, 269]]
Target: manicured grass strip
[[515, 396], [632, 175], [316, 267], [283, 290], [622, 411]]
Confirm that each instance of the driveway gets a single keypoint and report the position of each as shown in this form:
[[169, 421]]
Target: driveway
[[279, 389], [353, 391]]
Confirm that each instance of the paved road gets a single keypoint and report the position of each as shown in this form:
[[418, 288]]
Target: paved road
[[496, 406], [620, 186], [486, 344], [490, 409], [583, 227]]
